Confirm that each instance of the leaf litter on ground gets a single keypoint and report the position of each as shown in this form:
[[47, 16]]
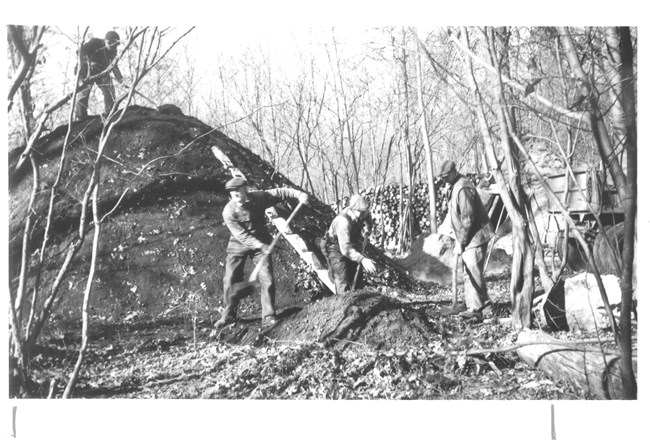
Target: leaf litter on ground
[[173, 366]]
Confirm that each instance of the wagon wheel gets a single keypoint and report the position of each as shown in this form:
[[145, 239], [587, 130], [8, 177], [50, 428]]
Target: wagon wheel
[[576, 258]]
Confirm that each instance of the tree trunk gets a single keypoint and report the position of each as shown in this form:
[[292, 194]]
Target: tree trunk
[[620, 44], [407, 228], [522, 284], [428, 154], [598, 126], [87, 292]]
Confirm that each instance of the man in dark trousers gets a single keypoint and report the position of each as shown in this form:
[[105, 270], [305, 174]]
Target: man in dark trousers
[[473, 229], [95, 56], [249, 237], [342, 245]]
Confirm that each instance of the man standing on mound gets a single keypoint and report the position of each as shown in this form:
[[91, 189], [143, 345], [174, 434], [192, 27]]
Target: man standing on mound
[[95, 56], [473, 229], [244, 216]]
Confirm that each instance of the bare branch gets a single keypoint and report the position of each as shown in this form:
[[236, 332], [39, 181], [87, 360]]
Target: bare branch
[[28, 57], [516, 85]]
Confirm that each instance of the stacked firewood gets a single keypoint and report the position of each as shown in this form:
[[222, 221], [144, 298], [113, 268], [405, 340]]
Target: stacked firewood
[[391, 218]]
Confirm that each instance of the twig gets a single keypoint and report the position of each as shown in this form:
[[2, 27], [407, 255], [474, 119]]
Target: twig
[[495, 368], [516, 85]]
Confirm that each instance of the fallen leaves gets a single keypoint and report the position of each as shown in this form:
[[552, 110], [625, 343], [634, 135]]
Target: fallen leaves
[[183, 361]]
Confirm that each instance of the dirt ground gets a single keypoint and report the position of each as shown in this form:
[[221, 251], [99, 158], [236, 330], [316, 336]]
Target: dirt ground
[[370, 344]]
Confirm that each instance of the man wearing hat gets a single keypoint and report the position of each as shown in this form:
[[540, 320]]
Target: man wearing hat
[[473, 229], [249, 237], [96, 56], [341, 245]]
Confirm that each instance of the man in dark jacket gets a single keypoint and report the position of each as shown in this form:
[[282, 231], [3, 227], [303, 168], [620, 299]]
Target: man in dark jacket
[[249, 237], [341, 245], [96, 56], [473, 229]]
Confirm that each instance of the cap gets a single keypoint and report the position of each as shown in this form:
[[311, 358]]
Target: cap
[[447, 167], [358, 203], [235, 183], [112, 36]]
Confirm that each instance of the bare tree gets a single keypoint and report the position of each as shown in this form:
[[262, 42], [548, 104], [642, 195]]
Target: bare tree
[[24, 44], [621, 51], [24, 336], [589, 107], [427, 149], [521, 286]]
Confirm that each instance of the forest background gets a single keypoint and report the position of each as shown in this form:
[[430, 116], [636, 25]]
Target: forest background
[[338, 53]]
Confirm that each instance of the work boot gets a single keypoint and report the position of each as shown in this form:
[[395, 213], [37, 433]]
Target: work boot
[[472, 315], [221, 323], [490, 313], [450, 310], [488, 310], [269, 322]]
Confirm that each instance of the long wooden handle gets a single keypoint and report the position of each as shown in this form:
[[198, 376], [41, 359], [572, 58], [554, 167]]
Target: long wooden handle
[[363, 251], [454, 277], [258, 267]]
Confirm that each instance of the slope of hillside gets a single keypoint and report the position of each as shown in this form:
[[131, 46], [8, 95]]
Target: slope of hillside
[[163, 247]]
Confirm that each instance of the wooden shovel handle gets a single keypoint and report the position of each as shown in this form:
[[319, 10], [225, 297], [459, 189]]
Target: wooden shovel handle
[[363, 251], [258, 267], [454, 277]]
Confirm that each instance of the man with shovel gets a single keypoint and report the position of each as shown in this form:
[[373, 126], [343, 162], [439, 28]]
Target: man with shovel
[[341, 245], [249, 237], [473, 229]]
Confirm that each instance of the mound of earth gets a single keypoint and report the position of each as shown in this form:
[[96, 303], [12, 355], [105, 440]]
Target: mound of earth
[[163, 246], [368, 317]]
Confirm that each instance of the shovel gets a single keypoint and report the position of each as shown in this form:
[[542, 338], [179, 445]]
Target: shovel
[[454, 278], [363, 251], [241, 289]]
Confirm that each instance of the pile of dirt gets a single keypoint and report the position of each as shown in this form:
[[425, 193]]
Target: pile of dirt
[[368, 317], [163, 247]]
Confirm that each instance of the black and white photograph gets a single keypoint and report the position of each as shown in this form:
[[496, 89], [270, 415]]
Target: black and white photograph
[[311, 230]]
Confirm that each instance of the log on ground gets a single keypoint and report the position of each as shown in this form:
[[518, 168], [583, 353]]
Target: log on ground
[[582, 365]]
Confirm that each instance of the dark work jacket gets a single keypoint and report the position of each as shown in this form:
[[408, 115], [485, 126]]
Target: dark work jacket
[[95, 57]]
